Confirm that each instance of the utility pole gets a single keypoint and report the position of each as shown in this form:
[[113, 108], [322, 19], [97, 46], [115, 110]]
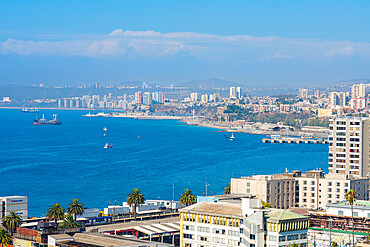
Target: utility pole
[[330, 226], [173, 192], [207, 188]]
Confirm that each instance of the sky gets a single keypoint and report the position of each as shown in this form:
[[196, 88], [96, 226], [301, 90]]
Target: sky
[[255, 43]]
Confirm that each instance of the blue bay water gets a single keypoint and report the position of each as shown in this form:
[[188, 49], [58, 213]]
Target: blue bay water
[[54, 164]]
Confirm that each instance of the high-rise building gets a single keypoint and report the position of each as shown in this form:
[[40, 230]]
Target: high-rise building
[[138, 98], [337, 99], [232, 92], [59, 103], [147, 98], [303, 93], [358, 91], [194, 96], [65, 103], [317, 93], [349, 146], [238, 92], [125, 97], [204, 99], [358, 103]]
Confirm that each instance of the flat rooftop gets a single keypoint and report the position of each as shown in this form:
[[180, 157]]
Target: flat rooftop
[[171, 224], [99, 239], [222, 209]]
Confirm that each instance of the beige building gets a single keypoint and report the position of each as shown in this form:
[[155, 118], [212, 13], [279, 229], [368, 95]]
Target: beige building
[[349, 146], [317, 190], [280, 190], [358, 91], [204, 99], [310, 190]]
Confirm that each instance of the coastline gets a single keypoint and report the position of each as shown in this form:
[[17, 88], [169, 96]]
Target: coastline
[[190, 121]]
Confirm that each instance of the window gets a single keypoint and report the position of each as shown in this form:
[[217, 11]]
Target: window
[[272, 238], [233, 242], [340, 212], [219, 231], [329, 183], [190, 236], [203, 229], [338, 184], [203, 238], [190, 228], [292, 237], [303, 236], [281, 238], [304, 182], [218, 240], [355, 214], [233, 233], [188, 245], [253, 236]]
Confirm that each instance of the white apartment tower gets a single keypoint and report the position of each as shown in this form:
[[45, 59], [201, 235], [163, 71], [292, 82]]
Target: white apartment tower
[[303, 93], [336, 100], [232, 92], [358, 91], [349, 146], [238, 92]]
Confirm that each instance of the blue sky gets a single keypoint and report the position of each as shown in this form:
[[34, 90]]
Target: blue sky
[[251, 42]]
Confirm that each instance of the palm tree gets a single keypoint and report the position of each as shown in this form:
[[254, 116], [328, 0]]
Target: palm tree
[[187, 198], [11, 221], [228, 189], [5, 238], [135, 198], [55, 212], [75, 208], [351, 198], [69, 222]]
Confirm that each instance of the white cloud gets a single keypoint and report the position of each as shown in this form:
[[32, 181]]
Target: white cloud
[[277, 55], [345, 51], [208, 47]]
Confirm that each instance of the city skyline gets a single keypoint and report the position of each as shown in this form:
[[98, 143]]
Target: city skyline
[[248, 43]]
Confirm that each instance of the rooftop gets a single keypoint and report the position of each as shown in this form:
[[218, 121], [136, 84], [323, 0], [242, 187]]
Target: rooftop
[[282, 215], [358, 203], [224, 209]]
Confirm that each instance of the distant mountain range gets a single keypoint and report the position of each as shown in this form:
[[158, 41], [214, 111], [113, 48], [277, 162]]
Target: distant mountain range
[[210, 83]]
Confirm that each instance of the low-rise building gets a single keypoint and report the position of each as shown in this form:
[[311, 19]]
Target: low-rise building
[[280, 190], [246, 224], [311, 190]]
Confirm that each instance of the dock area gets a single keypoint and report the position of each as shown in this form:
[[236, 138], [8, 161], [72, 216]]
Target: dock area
[[294, 140]]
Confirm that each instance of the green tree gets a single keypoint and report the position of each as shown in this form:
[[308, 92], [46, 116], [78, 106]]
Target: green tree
[[266, 204], [11, 221], [75, 208], [55, 212], [227, 189], [135, 198], [69, 222], [333, 244], [5, 237], [187, 198], [351, 198]]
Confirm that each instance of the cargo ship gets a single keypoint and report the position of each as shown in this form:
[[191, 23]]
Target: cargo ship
[[43, 121], [30, 110]]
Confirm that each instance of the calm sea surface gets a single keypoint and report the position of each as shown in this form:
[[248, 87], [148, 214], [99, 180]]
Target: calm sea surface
[[53, 164]]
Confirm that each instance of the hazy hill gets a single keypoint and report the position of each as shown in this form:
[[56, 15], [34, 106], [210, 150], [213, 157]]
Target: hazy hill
[[210, 83]]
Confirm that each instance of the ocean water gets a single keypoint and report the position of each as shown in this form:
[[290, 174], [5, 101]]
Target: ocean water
[[54, 164]]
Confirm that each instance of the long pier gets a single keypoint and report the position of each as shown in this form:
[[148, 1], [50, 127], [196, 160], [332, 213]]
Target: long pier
[[294, 140]]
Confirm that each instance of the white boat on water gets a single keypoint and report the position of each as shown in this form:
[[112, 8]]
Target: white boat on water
[[107, 145], [232, 137], [105, 129]]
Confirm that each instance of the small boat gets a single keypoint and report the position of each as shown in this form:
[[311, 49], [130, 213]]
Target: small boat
[[226, 137], [105, 129], [107, 145], [138, 137], [30, 110], [232, 137]]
